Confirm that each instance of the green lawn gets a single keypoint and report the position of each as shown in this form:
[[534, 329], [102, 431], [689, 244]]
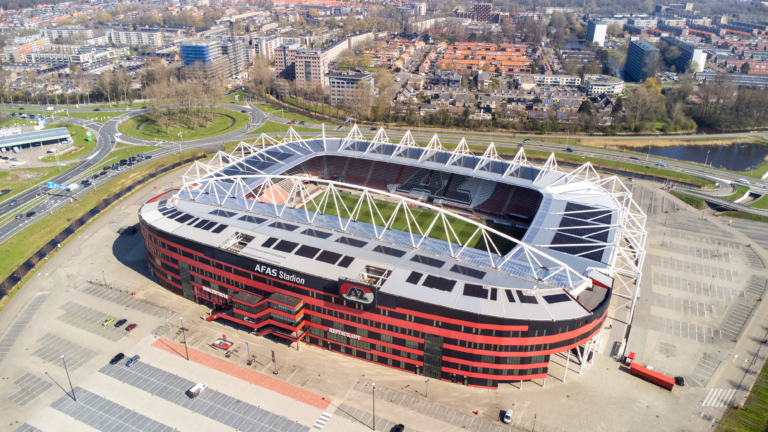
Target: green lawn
[[424, 218], [761, 203], [694, 202], [150, 130], [79, 136], [740, 192], [753, 416], [273, 127], [18, 180], [285, 113], [743, 215], [231, 98]]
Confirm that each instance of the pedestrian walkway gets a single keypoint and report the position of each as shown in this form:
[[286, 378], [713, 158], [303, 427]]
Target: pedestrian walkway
[[244, 374]]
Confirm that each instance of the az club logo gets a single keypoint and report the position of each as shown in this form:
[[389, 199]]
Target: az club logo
[[357, 293]]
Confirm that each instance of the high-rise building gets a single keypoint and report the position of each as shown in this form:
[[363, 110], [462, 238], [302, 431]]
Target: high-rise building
[[640, 58], [482, 11], [420, 9], [203, 60], [346, 86], [144, 38], [689, 56], [596, 32]]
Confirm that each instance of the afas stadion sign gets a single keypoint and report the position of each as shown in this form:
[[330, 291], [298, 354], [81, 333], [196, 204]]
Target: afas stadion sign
[[357, 291]]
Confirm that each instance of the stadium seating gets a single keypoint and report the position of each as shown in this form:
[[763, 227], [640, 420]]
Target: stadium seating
[[414, 181], [273, 195], [335, 165], [316, 166], [495, 203], [452, 192], [380, 170], [483, 192], [523, 202], [357, 171]]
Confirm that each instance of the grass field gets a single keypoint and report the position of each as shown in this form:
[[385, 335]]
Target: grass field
[[424, 218], [21, 246], [79, 136], [151, 130], [694, 202], [273, 127], [19, 180], [740, 191], [743, 215], [761, 203], [753, 416], [269, 109], [231, 98]]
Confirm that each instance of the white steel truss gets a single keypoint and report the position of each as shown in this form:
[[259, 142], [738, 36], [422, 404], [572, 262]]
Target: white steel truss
[[489, 156], [380, 139], [353, 137], [405, 143], [520, 160], [461, 150], [433, 147], [549, 165]]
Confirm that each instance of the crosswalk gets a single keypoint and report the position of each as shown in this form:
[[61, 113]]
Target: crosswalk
[[719, 398], [320, 423]]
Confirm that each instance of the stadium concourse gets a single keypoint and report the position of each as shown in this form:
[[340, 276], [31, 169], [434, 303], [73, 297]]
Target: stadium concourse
[[469, 269]]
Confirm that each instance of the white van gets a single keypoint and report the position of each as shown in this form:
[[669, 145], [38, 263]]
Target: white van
[[72, 187], [507, 416], [197, 390], [744, 182], [50, 108]]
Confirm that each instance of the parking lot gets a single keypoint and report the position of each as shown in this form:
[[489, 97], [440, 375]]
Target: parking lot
[[698, 292]]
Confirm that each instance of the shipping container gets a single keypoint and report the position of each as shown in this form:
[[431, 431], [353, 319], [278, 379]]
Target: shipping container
[[652, 376]]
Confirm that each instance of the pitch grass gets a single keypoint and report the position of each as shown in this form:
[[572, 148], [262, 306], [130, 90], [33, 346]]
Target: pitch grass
[[753, 416], [21, 246], [79, 136], [694, 202], [273, 127], [424, 218], [150, 130], [740, 192], [761, 203]]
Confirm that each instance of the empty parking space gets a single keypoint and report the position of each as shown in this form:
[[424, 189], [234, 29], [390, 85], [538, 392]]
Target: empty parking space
[[681, 305], [357, 415], [757, 231], [27, 428], [101, 414], [736, 320], [754, 260], [695, 268], [126, 301], [708, 289], [698, 333], [699, 252], [21, 322], [31, 388], [703, 371], [53, 347], [757, 286], [216, 406], [91, 321], [667, 349], [704, 240], [698, 225]]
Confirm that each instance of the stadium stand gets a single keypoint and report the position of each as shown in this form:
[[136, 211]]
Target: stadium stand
[[316, 166], [498, 199], [523, 203], [484, 192], [335, 166], [357, 171]]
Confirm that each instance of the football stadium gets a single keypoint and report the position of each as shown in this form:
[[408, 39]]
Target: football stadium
[[470, 269]]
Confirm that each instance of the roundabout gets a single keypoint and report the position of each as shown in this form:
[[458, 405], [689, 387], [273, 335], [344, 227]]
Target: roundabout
[[183, 126]]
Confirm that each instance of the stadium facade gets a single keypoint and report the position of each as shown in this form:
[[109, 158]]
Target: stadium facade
[[402, 255]]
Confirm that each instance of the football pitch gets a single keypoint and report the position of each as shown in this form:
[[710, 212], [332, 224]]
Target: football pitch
[[423, 217]]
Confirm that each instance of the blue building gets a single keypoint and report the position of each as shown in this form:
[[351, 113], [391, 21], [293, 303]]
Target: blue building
[[640, 60]]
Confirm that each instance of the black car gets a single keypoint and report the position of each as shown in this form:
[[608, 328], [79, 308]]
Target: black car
[[399, 428], [95, 176], [121, 322], [102, 173], [242, 111], [130, 163], [148, 156], [680, 381], [108, 167], [97, 109], [569, 150], [115, 165], [123, 161], [117, 358], [13, 114], [82, 182], [30, 214], [21, 108]]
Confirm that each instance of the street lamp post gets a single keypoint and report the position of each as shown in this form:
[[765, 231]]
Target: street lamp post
[[185, 337], [68, 379], [426, 393], [649, 151], [374, 405], [104, 277], [707, 159]]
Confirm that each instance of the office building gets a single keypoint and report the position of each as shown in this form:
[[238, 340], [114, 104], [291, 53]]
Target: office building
[[294, 62], [346, 86], [420, 9], [640, 58], [596, 85], [204, 60], [690, 55], [482, 11], [596, 32], [266, 45]]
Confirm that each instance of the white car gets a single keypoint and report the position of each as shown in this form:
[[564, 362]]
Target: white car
[[197, 390]]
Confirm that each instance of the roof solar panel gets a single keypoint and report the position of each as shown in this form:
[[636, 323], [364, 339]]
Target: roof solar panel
[[510, 297], [285, 246], [351, 241], [223, 213], [173, 214], [389, 251], [208, 226], [477, 274], [284, 226], [428, 261], [557, 298], [346, 261], [315, 233], [219, 228], [526, 299], [494, 294], [184, 218], [328, 257], [439, 283], [307, 251], [252, 219], [478, 291], [201, 223], [268, 244], [193, 221], [414, 278]]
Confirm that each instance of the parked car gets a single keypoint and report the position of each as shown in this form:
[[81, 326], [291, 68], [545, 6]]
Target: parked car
[[108, 321], [117, 358], [123, 161], [30, 214], [399, 428], [131, 327], [197, 390], [132, 361], [507, 416], [121, 322], [680, 381]]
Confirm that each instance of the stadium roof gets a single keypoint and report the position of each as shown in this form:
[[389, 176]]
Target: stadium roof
[[42, 136]]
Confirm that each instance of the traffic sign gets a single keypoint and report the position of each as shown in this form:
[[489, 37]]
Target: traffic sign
[[53, 185]]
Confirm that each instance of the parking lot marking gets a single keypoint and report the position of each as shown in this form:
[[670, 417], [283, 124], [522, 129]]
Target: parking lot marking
[[91, 321], [104, 415], [21, 322], [53, 347], [703, 371], [695, 268], [699, 252], [320, 423], [702, 288], [683, 329], [26, 427], [213, 404], [736, 320], [31, 388], [719, 398], [126, 301]]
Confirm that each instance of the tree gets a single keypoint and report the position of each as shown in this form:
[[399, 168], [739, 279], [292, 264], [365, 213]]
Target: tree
[[102, 17], [613, 30], [745, 68], [261, 75], [104, 87], [652, 83], [586, 107]]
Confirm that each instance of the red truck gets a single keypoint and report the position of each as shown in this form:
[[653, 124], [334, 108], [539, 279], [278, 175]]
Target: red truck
[[652, 376]]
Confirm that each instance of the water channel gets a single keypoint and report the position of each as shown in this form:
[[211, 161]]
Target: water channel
[[735, 157]]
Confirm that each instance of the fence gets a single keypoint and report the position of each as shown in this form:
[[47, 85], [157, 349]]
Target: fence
[[24, 269]]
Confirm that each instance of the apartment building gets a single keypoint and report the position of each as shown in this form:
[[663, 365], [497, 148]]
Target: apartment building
[[23, 46], [596, 32], [639, 56], [54, 33], [482, 11], [346, 86], [144, 38], [303, 65], [690, 55], [596, 85], [203, 59]]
